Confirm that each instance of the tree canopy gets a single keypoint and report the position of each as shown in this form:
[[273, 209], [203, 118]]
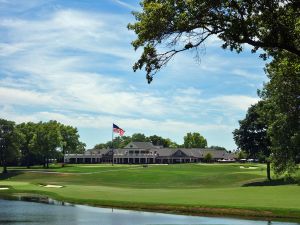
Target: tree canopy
[[191, 140], [182, 25], [31, 143], [121, 142], [272, 127], [282, 110], [252, 137], [10, 140], [252, 134], [194, 140], [70, 140], [46, 140], [217, 147], [29, 155]]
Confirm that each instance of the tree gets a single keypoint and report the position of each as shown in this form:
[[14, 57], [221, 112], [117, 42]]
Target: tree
[[157, 140], [121, 142], [47, 140], [29, 155], [118, 142], [138, 137], [100, 146], [80, 147], [184, 25], [172, 144], [208, 157], [194, 140], [10, 140], [252, 135], [217, 147], [70, 140], [282, 111], [125, 140], [241, 154]]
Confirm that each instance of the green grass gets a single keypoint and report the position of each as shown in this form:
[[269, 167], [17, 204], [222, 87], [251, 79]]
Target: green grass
[[190, 188], [157, 176], [79, 168]]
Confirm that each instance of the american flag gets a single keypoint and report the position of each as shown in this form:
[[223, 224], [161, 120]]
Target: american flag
[[118, 130]]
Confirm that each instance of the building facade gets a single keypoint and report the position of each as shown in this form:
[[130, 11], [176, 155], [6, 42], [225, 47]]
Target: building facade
[[147, 153]]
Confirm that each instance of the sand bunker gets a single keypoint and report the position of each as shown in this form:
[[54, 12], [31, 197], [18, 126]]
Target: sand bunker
[[52, 186], [4, 188], [250, 168]]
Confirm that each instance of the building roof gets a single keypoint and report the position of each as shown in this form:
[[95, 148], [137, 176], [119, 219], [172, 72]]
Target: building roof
[[149, 149], [97, 151]]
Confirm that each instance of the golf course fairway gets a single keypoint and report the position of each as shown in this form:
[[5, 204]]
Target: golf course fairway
[[198, 189]]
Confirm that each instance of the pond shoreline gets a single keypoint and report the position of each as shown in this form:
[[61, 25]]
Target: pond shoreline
[[217, 212]]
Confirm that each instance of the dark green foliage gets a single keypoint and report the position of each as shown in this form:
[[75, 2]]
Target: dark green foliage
[[215, 147], [157, 140], [282, 111], [138, 137], [194, 140], [122, 141], [182, 25], [100, 146], [29, 155], [70, 140], [10, 140], [47, 140], [241, 154], [252, 134], [38, 143], [272, 127], [208, 157], [118, 142]]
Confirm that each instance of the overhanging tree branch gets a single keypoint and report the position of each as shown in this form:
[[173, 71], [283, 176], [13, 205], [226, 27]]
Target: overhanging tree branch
[[273, 26]]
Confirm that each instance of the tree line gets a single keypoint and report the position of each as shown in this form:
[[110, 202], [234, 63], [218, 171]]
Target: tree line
[[28, 144], [191, 140]]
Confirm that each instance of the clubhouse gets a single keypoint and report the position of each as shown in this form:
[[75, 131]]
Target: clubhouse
[[147, 153]]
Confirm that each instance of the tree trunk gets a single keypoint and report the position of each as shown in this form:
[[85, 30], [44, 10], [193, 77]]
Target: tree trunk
[[4, 167], [269, 170], [27, 161]]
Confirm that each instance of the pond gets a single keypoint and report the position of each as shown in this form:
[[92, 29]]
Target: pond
[[14, 212]]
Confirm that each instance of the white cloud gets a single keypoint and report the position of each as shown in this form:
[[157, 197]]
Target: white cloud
[[10, 96], [21, 6], [126, 5], [75, 67], [49, 69], [131, 125], [248, 75], [236, 102]]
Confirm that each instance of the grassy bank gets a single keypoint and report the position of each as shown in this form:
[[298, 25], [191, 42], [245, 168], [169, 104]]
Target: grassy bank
[[187, 188]]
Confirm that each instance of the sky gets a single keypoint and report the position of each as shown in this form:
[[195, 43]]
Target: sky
[[71, 61]]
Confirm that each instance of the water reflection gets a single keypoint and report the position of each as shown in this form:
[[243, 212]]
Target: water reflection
[[21, 212], [40, 199]]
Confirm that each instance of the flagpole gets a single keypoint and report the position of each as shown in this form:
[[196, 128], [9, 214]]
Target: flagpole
[[112, 145]]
